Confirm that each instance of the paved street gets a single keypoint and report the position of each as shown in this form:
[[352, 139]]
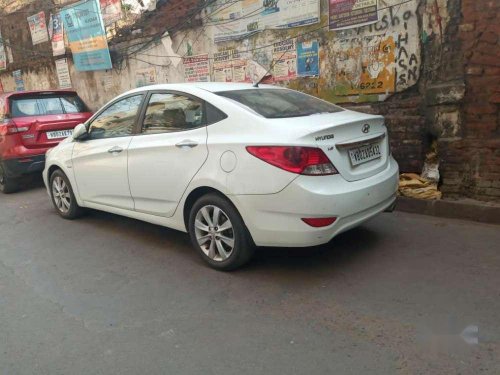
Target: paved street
[[110, 295]]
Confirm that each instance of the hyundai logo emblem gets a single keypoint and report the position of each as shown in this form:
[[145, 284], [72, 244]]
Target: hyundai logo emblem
[[366, 128]]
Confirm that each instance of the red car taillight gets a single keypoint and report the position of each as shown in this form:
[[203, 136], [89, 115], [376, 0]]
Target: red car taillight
[[309, 161], [7, 126], [319, 221]]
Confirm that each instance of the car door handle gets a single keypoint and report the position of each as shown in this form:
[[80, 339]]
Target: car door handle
[[115, 150], [186, 143]]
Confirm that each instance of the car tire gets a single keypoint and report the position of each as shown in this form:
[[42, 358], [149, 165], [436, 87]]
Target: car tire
[[219, 234], [62, 195], [7, 185]]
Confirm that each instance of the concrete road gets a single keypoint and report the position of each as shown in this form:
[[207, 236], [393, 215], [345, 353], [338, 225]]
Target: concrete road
[[110, 295]]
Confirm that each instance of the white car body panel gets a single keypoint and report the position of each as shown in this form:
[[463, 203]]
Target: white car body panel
[[102, 176], [152, 178], [272, 219], [150, 164]]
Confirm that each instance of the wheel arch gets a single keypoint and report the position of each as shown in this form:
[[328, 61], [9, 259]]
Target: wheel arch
[[200, 191], [54, 166], [193, 196], [52, 169]]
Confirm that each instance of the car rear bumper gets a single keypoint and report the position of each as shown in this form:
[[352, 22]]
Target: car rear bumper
[[18, 167], [275, 219]]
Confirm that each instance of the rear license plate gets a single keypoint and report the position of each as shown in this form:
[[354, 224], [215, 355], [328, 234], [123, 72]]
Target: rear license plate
[[59, 134], [363, 154]]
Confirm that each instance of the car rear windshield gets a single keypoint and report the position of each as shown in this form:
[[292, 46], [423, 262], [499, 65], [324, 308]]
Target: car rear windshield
[[46, 105], [280, 103]]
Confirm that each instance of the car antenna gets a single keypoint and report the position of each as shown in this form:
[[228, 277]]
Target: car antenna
[[256, 84]]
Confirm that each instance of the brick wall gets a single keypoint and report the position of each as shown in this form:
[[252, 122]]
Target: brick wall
[[456, 103], [471, 165]]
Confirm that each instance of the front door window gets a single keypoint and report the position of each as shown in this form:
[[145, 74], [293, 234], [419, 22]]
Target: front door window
[[117, 120]]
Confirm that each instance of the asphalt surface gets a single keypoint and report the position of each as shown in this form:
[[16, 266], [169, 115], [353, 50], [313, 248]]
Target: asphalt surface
[[110, 295]]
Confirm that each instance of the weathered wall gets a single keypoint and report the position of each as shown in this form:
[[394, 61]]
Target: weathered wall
[[471, 160], [357, 65], [430, 66]]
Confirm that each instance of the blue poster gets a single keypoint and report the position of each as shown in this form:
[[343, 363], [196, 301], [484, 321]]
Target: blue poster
[[18, 79], [86, 35], [307, 58]]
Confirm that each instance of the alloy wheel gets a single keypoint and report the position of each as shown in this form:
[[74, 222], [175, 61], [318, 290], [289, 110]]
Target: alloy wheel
[[61, 194], [214, 233]]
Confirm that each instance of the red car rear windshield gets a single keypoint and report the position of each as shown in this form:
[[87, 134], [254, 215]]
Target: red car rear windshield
[[42, 105], [279, 103]]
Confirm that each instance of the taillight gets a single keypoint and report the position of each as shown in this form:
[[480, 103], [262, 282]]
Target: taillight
[[301, 160], [7, 126], [319, 222]]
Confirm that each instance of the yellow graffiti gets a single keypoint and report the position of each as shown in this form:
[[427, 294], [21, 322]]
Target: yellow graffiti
[[364, 67]]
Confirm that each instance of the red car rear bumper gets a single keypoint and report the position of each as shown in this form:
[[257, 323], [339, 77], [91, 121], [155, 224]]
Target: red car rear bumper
[[18, 167]]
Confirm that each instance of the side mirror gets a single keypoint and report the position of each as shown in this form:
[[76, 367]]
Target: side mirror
[[80, 132]]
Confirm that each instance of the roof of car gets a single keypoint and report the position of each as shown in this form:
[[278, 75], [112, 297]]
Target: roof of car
[[228, 86], [34, 92], [207, 86]]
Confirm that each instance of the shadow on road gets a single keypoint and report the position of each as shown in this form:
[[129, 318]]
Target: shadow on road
[[31, 182], [342, 251]]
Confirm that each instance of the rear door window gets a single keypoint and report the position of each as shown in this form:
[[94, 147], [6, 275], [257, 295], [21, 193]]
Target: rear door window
[[46, 105], [172, 112]]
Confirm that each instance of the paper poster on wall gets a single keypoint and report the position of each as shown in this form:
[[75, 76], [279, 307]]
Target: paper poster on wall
[[284, 60], [38, 28], [111, 11], [308, 58], [145, 77], [63, 73], [228, 66], [222, 66], [240, 71], [86, 35], [56, 29], [3, 55], [196, 68], [236, 19], [175, 58], [18, 79], [352, 13]]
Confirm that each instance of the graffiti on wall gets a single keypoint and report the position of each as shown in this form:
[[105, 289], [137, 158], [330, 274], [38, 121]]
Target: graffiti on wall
[[408, 54], [364, 65], [377, 59]]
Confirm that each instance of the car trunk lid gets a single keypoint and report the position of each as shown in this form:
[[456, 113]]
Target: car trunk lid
[[356, 143], [48, 130]]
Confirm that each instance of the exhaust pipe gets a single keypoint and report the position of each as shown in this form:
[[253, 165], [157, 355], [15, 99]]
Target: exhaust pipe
[[391, 208]]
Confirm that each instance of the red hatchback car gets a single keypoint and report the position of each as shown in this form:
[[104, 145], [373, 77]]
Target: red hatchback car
[[31, 122]]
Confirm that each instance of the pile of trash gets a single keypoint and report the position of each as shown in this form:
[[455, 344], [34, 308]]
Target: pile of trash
[[414, 186], [425, 185]]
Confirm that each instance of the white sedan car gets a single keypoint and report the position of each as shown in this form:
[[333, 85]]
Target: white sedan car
[[235, 166]]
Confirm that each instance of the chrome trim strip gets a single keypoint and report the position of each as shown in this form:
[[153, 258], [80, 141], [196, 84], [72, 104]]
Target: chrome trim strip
[[363, 142]]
